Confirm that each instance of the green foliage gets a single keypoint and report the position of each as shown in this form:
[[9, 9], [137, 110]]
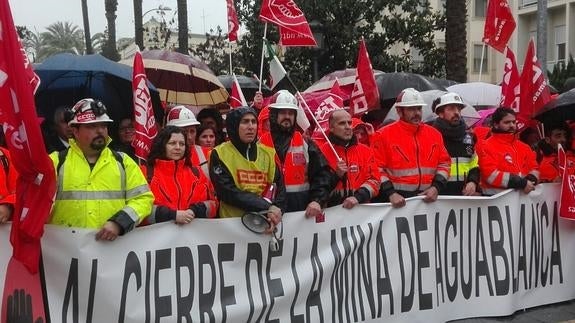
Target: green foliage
[[560, 74], [385, 25], [213, 52]]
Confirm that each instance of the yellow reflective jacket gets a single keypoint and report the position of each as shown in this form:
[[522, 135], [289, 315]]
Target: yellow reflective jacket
[[88, 198]]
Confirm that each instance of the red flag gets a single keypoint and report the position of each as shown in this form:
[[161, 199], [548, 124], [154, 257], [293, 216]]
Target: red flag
[[534, 91], [36, 184], [291, 20], [499, 24], [233, 24], [510, 85], [237, 98], [365, 95], [332, 101], [567, 199], [144, 120]]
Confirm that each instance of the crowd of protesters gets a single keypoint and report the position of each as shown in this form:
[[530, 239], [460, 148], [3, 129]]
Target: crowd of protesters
[[260, 161]]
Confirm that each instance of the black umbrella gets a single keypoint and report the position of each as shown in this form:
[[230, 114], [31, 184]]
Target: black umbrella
[[249, 85], [68, 78], [390, 84], [559, 109]]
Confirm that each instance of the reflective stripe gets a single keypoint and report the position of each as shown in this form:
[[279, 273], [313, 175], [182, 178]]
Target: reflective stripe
[[535, 173], [493, 176], [210, 208], [152, 217], [370, 189], [443, 173], [202, 161], [412, 171], [297, 188], [90, 195], [383, 179], [462, 160], [505, 180], [138, 190], [131, 213], [410, 187]]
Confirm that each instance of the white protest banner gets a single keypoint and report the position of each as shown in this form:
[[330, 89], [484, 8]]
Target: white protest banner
[[455, 258]]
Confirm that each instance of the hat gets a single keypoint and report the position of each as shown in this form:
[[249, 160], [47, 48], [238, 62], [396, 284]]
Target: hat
[[409, 97], [446, 99], [88, 111], [284, 100], [180, 116]]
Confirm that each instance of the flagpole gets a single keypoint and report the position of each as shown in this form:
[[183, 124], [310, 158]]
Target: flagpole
[[231, 69], [481, 62], [263, 53]]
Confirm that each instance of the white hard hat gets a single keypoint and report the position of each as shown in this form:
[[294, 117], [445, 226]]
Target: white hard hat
[[409, 97], [180, 116], [446, 99], [284, 100], [88, 111]]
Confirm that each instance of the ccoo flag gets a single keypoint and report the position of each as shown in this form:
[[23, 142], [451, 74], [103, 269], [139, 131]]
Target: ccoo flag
[[145, 122]]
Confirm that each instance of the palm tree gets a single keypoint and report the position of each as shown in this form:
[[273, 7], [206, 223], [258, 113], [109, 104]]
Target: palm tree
[[138, 24], [85, 17], [99, 41], [110, 51], [183, 26], [60, 37], [455, 40]]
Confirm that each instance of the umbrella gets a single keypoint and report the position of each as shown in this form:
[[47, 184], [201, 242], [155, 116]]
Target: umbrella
[[182, 79], [561, 108], [468, 113], [248, 84], [390, 84], [478, 93], [346, 79], [68, 78]]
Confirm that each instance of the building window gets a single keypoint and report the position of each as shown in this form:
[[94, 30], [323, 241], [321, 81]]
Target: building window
[[477, 59], [480, 8], [560, 44]]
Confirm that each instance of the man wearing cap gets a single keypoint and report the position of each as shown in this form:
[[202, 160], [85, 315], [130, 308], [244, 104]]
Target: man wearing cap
[[184, 118], [243, 170], [97, 187], [411, 155], [307, 175], [460, 144]]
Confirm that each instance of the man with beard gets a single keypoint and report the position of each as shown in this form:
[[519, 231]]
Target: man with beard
[[97, 188], [506, 162], [460, 144], [307, 175], [557, 133], [411, 155]]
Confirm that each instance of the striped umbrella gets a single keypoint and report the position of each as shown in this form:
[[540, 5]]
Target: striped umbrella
[[182, 79]]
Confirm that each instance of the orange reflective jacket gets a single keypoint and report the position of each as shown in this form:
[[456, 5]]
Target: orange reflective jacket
[[411, 156], [294, 169], [503, 161], [200, 156]]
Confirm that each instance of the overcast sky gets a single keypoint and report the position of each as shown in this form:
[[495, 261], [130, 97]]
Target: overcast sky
[[38, 14]]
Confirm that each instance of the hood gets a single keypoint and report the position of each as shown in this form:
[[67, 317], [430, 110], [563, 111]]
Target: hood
[[233, 124]]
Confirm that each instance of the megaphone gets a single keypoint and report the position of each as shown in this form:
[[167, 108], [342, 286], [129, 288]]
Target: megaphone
[[256, 222]]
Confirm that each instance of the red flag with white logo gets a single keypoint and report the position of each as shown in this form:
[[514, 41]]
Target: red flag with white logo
[[144, 120], [36, 184], [534, 90], [233, 23], [365, 95], [567, 199], [237, 98], [332, 101], [510, 86], [499, 24], [294, 29]]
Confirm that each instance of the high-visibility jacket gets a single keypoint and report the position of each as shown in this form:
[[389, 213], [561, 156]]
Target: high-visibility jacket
[[549, 170], [200, 156], [411, 158], [506, 162], [177, 186], [362, 179], [250, 176], [88, 198], [8, 178], [294, 167]]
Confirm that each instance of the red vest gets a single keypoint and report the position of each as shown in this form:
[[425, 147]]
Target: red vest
[[294, 167]]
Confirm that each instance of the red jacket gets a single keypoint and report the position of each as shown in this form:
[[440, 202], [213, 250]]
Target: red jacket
[[506, 162], [549, 167], [177, 186], [362, 179], [7, 179], [411, 158]]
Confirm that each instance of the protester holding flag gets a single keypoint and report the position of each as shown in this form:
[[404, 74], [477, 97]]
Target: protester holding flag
[[242, 170], [411, 155], [97, 187], [306, 173], [358, 178], [182, 192], [506, 162], [557, 133]]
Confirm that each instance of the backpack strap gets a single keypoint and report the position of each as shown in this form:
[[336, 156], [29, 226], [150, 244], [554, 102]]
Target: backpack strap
[[117, 155]]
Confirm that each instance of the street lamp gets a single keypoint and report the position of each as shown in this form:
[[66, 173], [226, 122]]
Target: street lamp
[[317, 31], [138, 24]]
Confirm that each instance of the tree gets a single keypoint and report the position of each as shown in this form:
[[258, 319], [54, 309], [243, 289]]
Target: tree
[[455, 40], [138, 24], [60, 37], [561, 73], [86, 20], [212, 51], [110, 51], [183, 26]]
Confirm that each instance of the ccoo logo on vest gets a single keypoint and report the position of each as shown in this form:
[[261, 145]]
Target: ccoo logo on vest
[[252, 177]]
